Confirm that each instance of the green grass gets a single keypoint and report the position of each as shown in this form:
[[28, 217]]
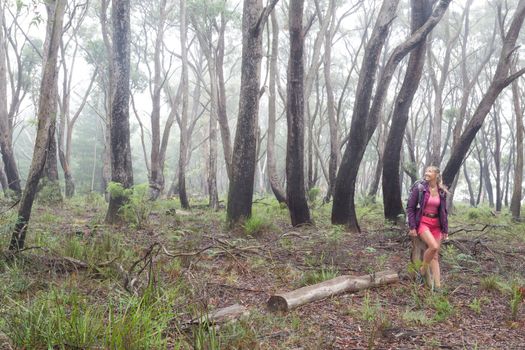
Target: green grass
[[317, 276]]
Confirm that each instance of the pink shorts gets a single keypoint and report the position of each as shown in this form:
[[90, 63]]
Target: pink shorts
[[432, 225]]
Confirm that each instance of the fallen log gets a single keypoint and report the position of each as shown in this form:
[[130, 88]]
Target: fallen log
[[223, 315], [290, 300]]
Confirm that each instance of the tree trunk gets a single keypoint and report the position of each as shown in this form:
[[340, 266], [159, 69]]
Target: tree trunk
[[343, 210], [295, 193], [393, 206], [45, 119], [486, 172], [50, 180], [470, 188], [500, 80], [6, 132], [273, 177], [335, 154], [364, 120], [221, 107], [515, 202], [121, 167], [156, 178], [240, 192], [212, 175], [183, 123], [110, 86], [497, 157]]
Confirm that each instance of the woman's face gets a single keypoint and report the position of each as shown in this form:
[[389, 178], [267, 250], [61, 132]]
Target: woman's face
[[430, 174]]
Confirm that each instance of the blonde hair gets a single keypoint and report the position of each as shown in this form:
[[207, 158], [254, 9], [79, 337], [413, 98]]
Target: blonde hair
[[439, 180]]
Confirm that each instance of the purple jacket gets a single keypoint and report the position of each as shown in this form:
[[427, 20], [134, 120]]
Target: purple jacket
[[415, 212]]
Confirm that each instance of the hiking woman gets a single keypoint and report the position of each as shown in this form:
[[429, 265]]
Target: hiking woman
[[427, 218]]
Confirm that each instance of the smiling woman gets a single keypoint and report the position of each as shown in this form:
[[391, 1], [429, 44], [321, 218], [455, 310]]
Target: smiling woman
[[428, 219]]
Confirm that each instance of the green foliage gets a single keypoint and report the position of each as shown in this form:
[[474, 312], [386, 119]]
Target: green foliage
[[418, 318], [139, 322], [55, 319], [336, 233], [313, 194], [256, 224], [476, 304], [49, 193], [516, 298], [205, 336], [314, 277], [491, 283], [441, 305], [64, 320], [137, 205]]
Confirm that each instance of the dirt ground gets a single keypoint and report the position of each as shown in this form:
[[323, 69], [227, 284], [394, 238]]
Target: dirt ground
[[483, 266]]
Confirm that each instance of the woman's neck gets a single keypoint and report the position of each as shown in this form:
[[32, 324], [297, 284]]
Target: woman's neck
[[432, 184]]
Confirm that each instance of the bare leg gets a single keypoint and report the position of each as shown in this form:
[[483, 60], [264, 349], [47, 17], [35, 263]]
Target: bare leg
[[436, 272], [432, 250]]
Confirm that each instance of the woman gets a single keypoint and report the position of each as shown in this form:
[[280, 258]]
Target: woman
[[427, 218]]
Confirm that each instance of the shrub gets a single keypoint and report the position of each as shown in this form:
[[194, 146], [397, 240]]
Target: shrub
[[137, 205], [256, 224]]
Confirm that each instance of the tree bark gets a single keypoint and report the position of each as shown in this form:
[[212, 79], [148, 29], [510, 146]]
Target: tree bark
[[240, 192], [364, 120], [470, 188], [6, 132], [295, 190], [121, 166], [272, 113], [156, 178], [51, 181], [391, 184], [500, 80], [343, 210], [222, 114], [45, 119], [183, 124], [515, 202]]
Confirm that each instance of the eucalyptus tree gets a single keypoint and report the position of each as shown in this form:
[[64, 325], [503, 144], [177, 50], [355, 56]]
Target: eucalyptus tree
[[6, 121], [517, 98], [45, 120], [295, 193], [392, 204], [500, 79], [273, 176], [155, 22], [121, 167], [240, 191], [69, 48], [365, 117]]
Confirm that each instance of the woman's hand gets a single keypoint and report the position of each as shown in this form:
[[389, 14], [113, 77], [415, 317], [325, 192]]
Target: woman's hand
[[413, 232], [444, 236]]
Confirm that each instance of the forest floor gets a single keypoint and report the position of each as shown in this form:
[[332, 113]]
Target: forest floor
[[84, 285]]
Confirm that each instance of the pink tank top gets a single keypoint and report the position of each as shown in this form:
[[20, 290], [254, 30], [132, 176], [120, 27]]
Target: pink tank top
[[432, 205]]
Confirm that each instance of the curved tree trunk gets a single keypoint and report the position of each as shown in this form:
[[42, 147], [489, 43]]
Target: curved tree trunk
[[45, 119], [500, 80], [393, 206], [365, 119], [295, 192], [121, 167]]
